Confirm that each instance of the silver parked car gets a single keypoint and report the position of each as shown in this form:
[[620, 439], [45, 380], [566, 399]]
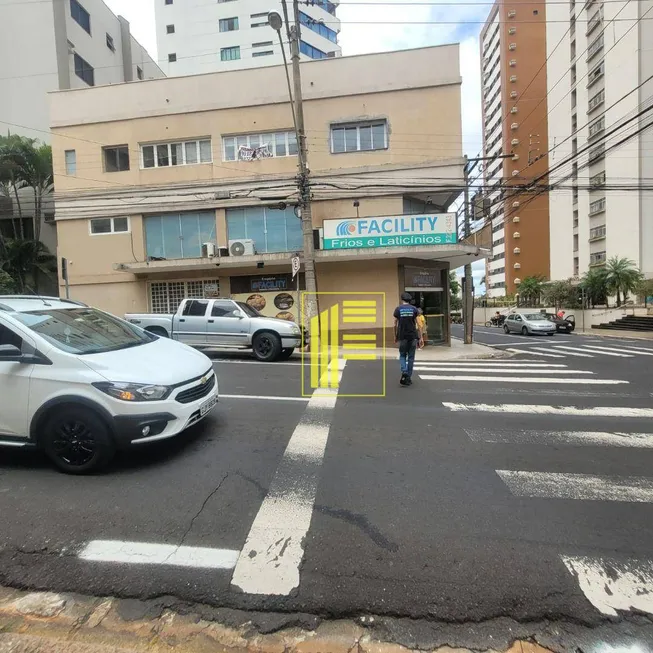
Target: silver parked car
[[529, 323]]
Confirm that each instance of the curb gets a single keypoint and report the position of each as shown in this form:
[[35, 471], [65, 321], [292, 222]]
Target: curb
[[45, 622]]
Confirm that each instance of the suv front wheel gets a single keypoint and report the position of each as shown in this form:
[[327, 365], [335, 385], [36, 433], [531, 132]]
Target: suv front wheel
[[77, 440]]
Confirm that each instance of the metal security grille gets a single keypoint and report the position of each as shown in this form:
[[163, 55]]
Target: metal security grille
[[165, 296]]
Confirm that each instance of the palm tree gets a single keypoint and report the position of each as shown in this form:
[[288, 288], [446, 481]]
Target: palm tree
[[24, 261], [595, 285], [6, 283], [530, 288], [622, 276], [10, 178]]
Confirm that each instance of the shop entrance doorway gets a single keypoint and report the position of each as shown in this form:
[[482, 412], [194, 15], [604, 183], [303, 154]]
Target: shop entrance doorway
[[434, 306]]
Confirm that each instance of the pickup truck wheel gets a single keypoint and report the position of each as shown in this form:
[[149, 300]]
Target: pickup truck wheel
[[267, 346], [286, 353], [77, 440], [158, 331]]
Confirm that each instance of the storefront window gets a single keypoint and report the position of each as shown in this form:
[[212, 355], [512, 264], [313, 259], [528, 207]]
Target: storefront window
[[272, 230], [179, 235]]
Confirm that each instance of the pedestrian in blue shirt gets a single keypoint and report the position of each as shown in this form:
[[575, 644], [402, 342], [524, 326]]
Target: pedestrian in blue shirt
[[408, 335]]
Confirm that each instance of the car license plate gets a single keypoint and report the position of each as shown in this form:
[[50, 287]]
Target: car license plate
[[208, 405]]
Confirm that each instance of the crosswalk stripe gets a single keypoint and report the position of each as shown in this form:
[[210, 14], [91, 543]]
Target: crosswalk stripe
[[514, 370], [543, 409], [570, 351], [492, 363], [622, 350], [594, 350], [517, 379], [572, 438], [587, 487], [611, 584], [534, 353]]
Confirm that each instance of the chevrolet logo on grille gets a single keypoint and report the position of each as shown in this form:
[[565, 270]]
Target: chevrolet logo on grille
[[203, 380]]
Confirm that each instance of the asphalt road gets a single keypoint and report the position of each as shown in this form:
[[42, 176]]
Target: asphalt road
[[456, 500]]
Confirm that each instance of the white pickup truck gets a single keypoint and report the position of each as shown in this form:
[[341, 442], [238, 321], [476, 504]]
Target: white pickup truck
[[209, 323]]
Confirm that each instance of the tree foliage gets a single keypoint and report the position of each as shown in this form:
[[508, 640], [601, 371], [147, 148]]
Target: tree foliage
[[530, 289], [561, 294], [6, 283], [622, 277], [25, 261], [595, 285]]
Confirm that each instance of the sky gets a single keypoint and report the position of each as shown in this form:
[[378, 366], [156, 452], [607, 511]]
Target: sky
[[357, 38]]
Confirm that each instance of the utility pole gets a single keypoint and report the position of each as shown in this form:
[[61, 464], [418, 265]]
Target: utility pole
[[468, 297], [303, 182]]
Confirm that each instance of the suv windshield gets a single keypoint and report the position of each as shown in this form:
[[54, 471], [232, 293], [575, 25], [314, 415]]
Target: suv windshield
[[251, 312], [83, 330]]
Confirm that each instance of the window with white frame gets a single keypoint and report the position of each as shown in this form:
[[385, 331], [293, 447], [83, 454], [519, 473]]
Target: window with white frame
[[359, 137], [101, 226], [182, 153], [275, 144], [165, 296], [228, 24], [71, 161]]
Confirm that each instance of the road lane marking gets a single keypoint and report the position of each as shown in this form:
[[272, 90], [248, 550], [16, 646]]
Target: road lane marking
[[521, 370], [264, 398], [571, 438], [537, 409], [516, 379], [534, 353], [595, 350], [492, 363], [149, 553], [586, 487], [622, 350], [611, 584], [272, 555], [237, 362], [571, 351]]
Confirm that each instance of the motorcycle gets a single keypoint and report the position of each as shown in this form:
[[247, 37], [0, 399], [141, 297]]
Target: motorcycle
[[496, 321]]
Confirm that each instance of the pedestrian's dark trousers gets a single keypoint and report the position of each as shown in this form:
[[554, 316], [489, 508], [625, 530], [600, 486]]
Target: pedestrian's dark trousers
[[407, 356]]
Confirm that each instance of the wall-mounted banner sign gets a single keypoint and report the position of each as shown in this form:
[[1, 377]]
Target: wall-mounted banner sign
[[390, 231]]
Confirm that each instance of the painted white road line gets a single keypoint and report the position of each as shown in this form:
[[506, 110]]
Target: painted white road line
[[264, 398], [269, 562], [571, 351], [516, 379], [593, 349], [586, 487], [492, 363], [612, 585], [537, 409], [534, 353], [514, 370], [571, 438], [622, 350], [231, 361], [147, 553]]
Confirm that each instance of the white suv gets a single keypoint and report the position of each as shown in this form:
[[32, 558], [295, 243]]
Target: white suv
[[80, 383]]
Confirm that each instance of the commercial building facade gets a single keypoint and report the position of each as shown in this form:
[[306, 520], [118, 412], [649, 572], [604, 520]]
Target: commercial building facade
[[514, 107], [599, 61], [208, 36], [61, 44], [206, 202]]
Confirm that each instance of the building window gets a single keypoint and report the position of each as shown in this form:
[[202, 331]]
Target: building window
[[272, 230], [71, 162], [179, 235], [318, 27], [359, 137], [244, 146], [597, 206], [263, 53], [170, 29], [597, 233], [139, 72], [101, 226], [162, 155], [166, 296], [596, 153], [116, 159], [80, 15], [326, 5], [597, 258], [172, 57], [597, 126], [598, 180], [596, 74], [110, 43], [310, 51], [595, 47], [596, 101], [230, 54], [84, 70], [261, 23], [262, 44], [223, 1], [228, 24], [168, 2]]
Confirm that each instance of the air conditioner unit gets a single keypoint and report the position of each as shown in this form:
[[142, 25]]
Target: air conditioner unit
[[516, 250], [515, 157], [513, 110], [512, 46], [517, 281], [516, 218], [512, 30], [515, 173], [513, 78], [517, 266], [516, 235], [514, 141], [512, 13], [209, 250], [514, 125], [513, 62], [515, 204], [513, 94], [244, 247]]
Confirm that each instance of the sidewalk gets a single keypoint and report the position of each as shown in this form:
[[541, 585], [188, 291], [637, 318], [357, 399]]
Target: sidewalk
[[611, 333], [43, 622]]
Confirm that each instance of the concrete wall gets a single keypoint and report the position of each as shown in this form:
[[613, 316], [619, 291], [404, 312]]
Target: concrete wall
[[584, 319]]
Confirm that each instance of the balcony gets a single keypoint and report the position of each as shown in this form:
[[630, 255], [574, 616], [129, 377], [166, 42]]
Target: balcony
[[597, 259], [513, 63], [596, 153], [595, 47], [597, 233], [513, 78], [596, 74], [597, 127], [597, 181], [596, 101], [598, 206], [512, 46], [594, 22]]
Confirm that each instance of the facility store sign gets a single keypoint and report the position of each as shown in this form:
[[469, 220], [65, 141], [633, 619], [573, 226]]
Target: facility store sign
[[390, 231]]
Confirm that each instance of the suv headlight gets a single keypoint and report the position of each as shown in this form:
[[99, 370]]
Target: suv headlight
[[295, 330], [134, 391]]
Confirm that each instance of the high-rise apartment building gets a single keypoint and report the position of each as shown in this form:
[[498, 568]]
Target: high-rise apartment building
[[53, 45], [205, 36], [514, 105], [599, 61]]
